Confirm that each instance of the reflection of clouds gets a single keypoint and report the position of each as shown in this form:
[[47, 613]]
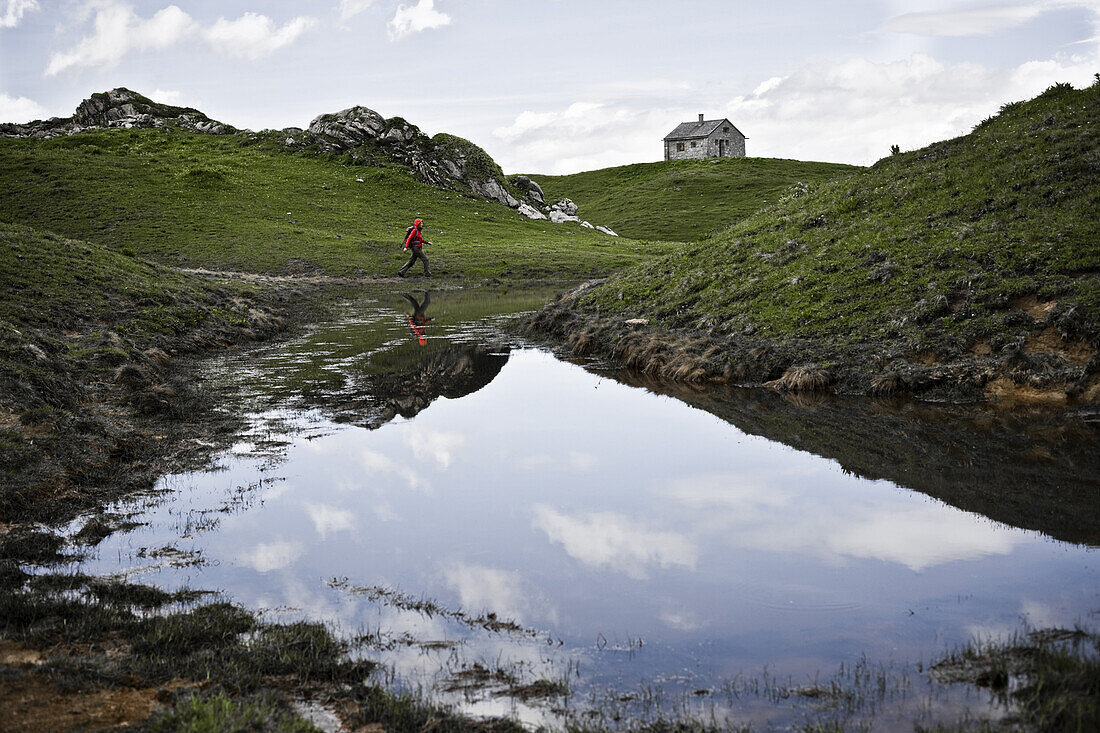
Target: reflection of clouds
[[373, 461], [1040, 615], [578, 461], [268, 556], [738, 498], [481, 588], [611, 539], [681, 619], [328, 519], [754, 514], [434, 444], [919, 537]]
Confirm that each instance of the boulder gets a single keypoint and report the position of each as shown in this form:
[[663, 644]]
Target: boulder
[[531, 190], [605, 230], [530, 211], [560, 217], [492, 189], [565, 206], [124, 108], [347, 129]]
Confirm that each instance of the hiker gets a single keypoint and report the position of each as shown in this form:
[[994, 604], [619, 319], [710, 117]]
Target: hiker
[[419, 320], [414, 240]]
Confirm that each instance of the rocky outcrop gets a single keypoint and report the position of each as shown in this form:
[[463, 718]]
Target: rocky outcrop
[[444, 160], [119, 108], [531, 212], [566, 207], [347, 129], [361, 133], [531, 190]]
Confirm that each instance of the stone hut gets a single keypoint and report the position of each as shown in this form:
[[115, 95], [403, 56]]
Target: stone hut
[[705, 139]]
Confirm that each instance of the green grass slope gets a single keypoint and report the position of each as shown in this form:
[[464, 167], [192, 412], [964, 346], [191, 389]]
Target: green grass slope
[[970, 243], [231, 201], [683, 200], [87, 336]]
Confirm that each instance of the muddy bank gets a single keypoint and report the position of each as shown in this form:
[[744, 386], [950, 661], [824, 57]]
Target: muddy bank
[[83, 426], [1043, 368]]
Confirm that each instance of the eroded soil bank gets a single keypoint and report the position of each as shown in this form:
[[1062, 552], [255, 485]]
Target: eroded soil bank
[[1043, 368]]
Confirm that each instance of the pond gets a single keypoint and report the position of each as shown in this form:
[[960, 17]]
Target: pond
[[517, 534]]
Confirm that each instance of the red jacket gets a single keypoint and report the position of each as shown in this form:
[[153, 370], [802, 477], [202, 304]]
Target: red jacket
[[415, 239]]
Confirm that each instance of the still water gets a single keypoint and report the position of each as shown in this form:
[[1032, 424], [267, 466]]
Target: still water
[[418, 475]]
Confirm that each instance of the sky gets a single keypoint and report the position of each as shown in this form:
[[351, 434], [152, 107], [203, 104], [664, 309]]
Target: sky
[[561, 86]]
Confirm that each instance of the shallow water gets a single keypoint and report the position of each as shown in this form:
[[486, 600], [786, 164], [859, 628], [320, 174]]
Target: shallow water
[[652, 555]]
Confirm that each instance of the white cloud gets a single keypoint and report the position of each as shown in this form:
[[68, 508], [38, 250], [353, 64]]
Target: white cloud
[[269, 556], [351, 8], [175, 98], [14, 10], [20, 109], [607, 539], [380, 463], [439, 446], [584, 136], [853, 111], [488, 589], [254, 36], [415, 18], [327, 519], [117, 31], [977, 21]]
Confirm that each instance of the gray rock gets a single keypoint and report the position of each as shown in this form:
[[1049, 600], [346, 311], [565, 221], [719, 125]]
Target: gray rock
[[492, 189], [531, 190], [565, 206], [347, 129], [530, 211], [605, 230], [560, 217]]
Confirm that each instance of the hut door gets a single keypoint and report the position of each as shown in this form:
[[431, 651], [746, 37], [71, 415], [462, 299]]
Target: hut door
[[721, 148]]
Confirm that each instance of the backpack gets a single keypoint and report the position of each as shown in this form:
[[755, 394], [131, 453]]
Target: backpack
[[408, 233]]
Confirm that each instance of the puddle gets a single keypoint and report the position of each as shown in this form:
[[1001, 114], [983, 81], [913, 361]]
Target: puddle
[[520, 536]]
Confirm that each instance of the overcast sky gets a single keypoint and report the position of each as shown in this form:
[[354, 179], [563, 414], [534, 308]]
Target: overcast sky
[[558, 86]]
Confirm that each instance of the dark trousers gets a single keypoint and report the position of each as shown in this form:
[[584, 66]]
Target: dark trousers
[[415, 252]]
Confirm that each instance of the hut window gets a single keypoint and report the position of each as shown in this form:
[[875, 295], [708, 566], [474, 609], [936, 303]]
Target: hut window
[[725, 129], [693, 145], [679, 146]]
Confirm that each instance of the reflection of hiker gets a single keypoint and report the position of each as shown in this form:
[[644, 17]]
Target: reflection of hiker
[[419, 320], [414, 240]]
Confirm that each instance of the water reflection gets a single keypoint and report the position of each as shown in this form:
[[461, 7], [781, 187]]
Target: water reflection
[[418, 319], [651, 544], [1035, 469]]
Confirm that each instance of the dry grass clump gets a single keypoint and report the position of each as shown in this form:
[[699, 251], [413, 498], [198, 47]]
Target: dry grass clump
[[583, 341], [802, 379], [890, 383]]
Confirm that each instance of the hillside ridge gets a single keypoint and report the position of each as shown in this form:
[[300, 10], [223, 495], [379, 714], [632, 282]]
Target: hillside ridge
[[968, 269], [360, 134]]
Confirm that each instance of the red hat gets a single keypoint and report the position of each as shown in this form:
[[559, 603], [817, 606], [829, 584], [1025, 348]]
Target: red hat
[[418, 222]]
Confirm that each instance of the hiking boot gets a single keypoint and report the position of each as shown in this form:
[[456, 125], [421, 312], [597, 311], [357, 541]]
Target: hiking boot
[[401, 273]]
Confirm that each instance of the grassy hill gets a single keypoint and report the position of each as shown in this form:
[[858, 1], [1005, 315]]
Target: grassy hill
[[88, 336], [232, 201], [683, 200], [946, 268], [934, 242]]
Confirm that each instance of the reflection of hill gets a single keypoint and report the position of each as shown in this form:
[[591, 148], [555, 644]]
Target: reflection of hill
[[1035, 470], [406, 388]]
